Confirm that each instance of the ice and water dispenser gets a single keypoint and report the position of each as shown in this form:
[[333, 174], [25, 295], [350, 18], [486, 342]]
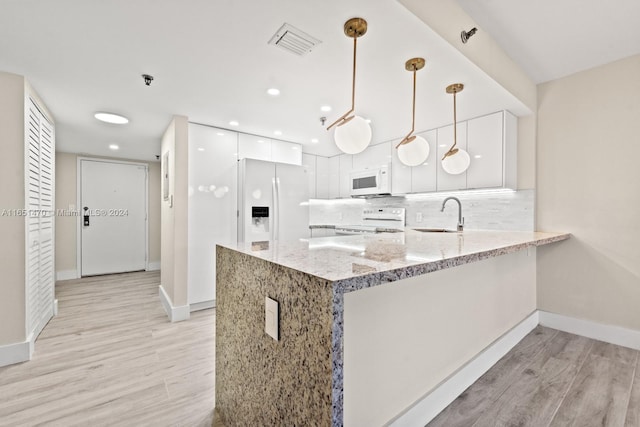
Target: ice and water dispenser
[[260, 219]]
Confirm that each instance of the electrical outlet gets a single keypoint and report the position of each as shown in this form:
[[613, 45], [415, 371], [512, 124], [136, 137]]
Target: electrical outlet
[[271, 318], [418, 216]]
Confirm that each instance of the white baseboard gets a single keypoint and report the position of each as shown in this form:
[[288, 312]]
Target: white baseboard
[[67, 275], [204, 305], [176, 314], [15, 353], [426, 409], [587, 328], [153, 266]]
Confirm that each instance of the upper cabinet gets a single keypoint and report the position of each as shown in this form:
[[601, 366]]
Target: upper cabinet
[[322, 177], [492, 146], [446, 181], [271, 150], [310, 169], [373, 156], [346, 166], [423, 177]]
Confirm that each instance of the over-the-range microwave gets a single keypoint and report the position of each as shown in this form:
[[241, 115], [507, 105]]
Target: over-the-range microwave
[[371, 182]]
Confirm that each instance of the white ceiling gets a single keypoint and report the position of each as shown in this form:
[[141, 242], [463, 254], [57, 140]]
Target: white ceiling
[[212, 63], [550, 39]]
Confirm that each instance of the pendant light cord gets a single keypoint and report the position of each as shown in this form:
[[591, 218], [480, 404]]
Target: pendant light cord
[[343, 119], [405, 140]]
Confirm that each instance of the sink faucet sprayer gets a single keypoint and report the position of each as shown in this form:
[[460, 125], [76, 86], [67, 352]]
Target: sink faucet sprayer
[[460, 218]]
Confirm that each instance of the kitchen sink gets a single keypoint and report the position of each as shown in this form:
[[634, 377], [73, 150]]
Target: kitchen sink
[[434, 230]]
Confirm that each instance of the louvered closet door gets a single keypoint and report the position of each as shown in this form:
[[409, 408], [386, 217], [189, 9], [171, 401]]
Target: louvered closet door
[[39, 220]]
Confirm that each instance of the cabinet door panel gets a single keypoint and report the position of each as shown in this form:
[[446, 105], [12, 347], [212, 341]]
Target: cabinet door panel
[[334, 177], [254, 147], [446, 181], [322, 177], [373, 156], [423, 177], [309, 165], [485, 146], [286, 152], [346, 166]]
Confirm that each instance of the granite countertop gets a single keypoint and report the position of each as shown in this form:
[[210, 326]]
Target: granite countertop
[[386, 257]]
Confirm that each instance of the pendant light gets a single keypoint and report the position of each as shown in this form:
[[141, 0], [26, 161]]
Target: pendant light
[[353, 133], [456, 160], [413, 150]]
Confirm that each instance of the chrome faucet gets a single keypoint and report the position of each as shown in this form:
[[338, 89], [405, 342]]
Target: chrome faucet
[[460, 218]]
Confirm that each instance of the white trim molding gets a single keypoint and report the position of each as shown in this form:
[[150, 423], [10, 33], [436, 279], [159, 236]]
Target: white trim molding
[[429, 406], [153, 266], [203, 305], [67, 275], [590, 329], [15, 353], [176, 314]]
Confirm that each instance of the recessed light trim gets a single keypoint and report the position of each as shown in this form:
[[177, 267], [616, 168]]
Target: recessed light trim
[[200, 149], [114, 147], [273, 91], [315, 140], [325, 108], [220, 134], [115, 119], [234, 123], [277, 132]]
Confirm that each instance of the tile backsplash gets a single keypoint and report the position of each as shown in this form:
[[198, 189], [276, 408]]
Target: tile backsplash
[[482, 210]]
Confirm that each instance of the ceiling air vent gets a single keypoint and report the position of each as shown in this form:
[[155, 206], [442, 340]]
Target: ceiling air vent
[[295, 41]]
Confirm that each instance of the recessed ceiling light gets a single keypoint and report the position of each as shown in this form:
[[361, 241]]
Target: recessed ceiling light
[[325, 108], [200, 149], [273, 91], [260, 141], [114, 147], [294, 147], [478, 156], [442, 145], [315, 140], [220, 134], [277, 132], [111, 118], [234, 123]]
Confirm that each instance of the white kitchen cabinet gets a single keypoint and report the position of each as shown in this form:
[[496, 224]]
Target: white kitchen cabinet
[[400, 173], [309, 165], [254, 147], [492, 144], [346, 166], [322, 177], [373, 156], [270, 150], [212, 206], [446, 181], [423, 177], [286, 152], [334, 177]]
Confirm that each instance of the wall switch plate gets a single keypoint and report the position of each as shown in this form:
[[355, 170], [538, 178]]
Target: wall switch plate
[[418, 216], [271, 318]]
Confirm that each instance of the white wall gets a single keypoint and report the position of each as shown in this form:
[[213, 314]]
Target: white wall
[[174, 253], [66, 226], [440, 321], [589, 185]]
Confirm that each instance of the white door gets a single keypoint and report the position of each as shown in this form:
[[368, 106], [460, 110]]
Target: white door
[[113, 222]]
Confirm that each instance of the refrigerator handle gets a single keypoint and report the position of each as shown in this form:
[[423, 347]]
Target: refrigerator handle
[[275, 200]]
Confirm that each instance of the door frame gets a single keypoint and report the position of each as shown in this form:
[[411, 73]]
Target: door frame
[[79, 209]]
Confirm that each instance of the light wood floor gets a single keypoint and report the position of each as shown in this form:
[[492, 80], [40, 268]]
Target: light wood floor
[[111, 357], [553, 378]]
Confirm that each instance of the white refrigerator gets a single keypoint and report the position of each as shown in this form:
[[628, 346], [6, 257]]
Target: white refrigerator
[[273, 201]]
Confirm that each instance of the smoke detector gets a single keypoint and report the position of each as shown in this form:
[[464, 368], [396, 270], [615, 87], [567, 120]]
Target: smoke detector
[[294, 40]]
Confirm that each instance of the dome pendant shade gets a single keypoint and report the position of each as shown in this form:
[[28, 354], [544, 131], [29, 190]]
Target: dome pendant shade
[[456, 163], [353, 136], [414, 153], [353, 133]]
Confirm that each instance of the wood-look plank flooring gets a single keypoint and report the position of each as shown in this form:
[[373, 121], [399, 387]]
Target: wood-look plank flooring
[[552, 378], [111, 357]]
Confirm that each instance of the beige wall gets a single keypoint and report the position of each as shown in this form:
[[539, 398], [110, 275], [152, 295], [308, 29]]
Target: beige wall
[[12, 227], [66, 197], [174, 213], [589, 184]]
